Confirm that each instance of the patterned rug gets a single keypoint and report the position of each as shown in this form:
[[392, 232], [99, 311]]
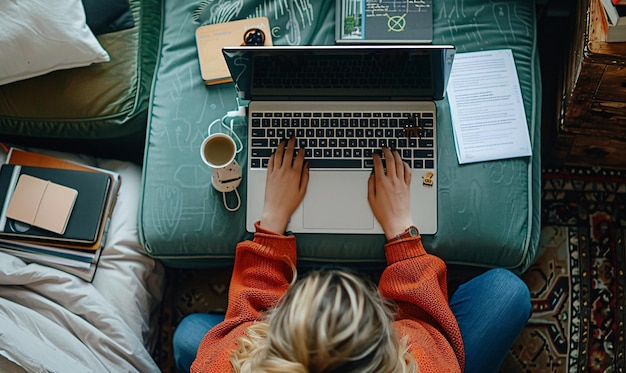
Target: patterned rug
[[577, 283]]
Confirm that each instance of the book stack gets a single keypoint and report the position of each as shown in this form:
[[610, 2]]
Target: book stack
[[614, 20], [55, 212]]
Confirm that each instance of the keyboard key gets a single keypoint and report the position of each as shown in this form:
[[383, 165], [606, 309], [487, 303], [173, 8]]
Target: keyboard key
[[335, 163], [258, 133], [260, 143], [423, 153], [260, 153], [425, 143]]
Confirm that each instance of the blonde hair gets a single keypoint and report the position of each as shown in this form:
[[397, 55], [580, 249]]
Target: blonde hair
[[330, 321]]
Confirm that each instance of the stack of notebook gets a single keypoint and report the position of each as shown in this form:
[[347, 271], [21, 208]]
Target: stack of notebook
[[55, 212]]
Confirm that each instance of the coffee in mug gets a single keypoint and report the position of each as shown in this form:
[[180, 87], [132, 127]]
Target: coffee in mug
[[218, 150]]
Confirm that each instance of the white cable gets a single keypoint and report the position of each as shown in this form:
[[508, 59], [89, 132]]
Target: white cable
[[239, 147], [232, 209], [237, 139]]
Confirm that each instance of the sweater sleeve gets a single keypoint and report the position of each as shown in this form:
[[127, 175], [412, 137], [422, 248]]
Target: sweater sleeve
[[262, 273], [416, 281]]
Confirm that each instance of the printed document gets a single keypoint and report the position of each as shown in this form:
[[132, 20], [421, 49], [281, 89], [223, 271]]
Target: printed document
[[487, 110]]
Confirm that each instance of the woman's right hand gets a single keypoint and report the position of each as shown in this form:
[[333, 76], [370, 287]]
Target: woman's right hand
[[389, 193]]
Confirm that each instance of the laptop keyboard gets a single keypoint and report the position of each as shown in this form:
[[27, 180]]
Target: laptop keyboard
[[344, 140]]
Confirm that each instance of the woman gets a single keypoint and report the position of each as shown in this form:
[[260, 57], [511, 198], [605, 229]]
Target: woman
[[332, 321]]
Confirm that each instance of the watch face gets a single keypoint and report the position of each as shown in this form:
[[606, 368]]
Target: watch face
[[413, 231]]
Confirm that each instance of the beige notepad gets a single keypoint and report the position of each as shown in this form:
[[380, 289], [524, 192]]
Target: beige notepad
[[42, 203], [211, 38]]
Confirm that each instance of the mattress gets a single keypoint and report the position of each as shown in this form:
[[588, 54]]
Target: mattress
[[54, 321], [489, 212]]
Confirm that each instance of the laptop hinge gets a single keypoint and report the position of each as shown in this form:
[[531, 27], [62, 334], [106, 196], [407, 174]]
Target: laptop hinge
[[340, 98]]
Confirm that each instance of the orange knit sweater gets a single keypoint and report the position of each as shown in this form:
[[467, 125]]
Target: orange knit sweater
[[414, 279]]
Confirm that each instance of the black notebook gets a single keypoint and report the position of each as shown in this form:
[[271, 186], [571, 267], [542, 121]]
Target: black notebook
[[87, 212]]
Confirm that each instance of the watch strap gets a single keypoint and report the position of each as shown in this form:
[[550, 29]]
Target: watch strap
[[411, 231]]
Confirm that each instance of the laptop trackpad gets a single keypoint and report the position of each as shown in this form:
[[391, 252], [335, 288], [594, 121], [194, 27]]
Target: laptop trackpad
[[337, 200]]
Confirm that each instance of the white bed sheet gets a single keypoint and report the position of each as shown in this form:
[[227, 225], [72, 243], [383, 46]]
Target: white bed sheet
[[51, 321]]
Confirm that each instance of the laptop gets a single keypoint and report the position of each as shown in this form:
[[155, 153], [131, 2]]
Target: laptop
[[342, 103]]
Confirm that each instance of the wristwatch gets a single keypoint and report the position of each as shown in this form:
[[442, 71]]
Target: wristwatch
[[411, 231]]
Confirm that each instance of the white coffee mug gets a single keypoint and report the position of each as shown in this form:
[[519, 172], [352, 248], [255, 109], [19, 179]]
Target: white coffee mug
[[218, 150]]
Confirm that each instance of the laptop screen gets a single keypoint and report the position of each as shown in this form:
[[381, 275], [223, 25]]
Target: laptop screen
[[398, 72]]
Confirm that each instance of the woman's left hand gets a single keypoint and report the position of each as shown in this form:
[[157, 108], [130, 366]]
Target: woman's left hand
[[285, 186]]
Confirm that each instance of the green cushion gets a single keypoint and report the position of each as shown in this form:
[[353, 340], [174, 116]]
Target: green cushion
[[489, 212], [102, 101]]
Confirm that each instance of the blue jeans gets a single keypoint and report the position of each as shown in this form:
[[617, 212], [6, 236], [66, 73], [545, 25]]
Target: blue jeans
[[491, 310], [189, 334]]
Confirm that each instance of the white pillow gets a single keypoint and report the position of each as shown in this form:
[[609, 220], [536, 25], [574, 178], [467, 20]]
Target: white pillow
[[39, 36]]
